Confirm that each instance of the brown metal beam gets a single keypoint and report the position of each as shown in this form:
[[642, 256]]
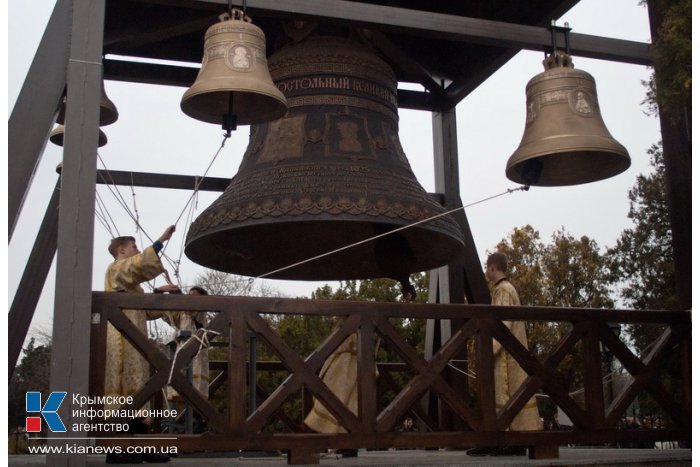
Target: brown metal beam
[[169, 75], [158, 180], [70, 352], [465, 84], [33, 279], [458, 28], [134, 39], [36, 107], [403, 60]]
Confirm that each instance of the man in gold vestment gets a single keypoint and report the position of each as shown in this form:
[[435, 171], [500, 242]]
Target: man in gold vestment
[[339, 373], [126, 371], [508, 375]]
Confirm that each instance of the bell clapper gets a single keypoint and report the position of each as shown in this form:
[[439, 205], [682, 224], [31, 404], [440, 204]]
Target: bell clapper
[[229, 119]]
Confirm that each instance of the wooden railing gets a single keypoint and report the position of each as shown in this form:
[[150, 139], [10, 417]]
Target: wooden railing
[[241, 427]]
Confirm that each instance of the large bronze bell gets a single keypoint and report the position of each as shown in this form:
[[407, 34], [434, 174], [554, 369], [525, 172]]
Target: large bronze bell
[[56, 136], [234, 79], [108, 111], [330, 173], [565, 140]]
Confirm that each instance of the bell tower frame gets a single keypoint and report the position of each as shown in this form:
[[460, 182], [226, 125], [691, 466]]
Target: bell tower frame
[[70, 56]]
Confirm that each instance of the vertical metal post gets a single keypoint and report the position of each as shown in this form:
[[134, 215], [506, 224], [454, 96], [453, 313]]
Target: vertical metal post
[[35, 110], [464, 275], [70, 354], [462, 278]]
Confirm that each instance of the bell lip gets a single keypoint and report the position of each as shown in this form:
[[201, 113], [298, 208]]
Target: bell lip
[[447, 247], [615, 160], [273, 97], [56, 136]]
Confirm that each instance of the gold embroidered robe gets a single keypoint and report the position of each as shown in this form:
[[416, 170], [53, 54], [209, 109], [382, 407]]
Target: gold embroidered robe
[[508, 375], [339, 373], [182, 321], [126, 371]]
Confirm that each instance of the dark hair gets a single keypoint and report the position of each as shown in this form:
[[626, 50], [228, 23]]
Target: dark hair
[[201, 290], [118, 242], [498, 259]]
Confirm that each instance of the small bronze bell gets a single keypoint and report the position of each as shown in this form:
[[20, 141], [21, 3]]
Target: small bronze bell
[[329, 174], [234, 79], [108, 111], [565, 140], [56, 136]]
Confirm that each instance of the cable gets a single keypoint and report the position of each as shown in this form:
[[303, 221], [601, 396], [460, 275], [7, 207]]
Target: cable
[[366, 240]]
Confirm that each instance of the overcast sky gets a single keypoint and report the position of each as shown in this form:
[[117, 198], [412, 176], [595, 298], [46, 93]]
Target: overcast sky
[[153, 135]]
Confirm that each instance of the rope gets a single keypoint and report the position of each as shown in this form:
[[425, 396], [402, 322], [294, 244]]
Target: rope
[[203, 340], [100, 214], [122, 202], [366, 240], [200, 180], [136, 210]]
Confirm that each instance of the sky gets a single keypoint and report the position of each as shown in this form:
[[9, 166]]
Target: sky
[[152, 134]]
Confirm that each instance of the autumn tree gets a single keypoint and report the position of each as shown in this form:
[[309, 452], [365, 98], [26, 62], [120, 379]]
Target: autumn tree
[[568, 272]]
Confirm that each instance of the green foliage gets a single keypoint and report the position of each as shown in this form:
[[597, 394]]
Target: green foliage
[[32, 374], [642, 258], [568, 272], [670, 86]]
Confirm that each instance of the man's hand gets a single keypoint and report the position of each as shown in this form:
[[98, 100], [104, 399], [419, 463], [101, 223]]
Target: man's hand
[[168, 288], [167, 234]]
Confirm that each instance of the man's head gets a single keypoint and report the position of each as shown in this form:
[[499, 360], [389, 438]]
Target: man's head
[[123, 247], [496, 266], [197, 290]]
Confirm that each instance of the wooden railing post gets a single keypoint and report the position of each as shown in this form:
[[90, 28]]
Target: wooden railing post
[[237, 371], [485, 377], [366, 381], [593, 377]]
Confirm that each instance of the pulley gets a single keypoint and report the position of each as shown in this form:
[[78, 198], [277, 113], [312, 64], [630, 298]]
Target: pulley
[[330, 173]]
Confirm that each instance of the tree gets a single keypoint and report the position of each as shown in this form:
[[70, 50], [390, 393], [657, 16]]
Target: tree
[[222, 283], [642, 261], [569, 272], [32, 374], [670, 97], [642, 258], [670, 86]]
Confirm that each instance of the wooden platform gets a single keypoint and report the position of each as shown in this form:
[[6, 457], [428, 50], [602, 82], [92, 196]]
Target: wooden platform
[[568, 456]]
